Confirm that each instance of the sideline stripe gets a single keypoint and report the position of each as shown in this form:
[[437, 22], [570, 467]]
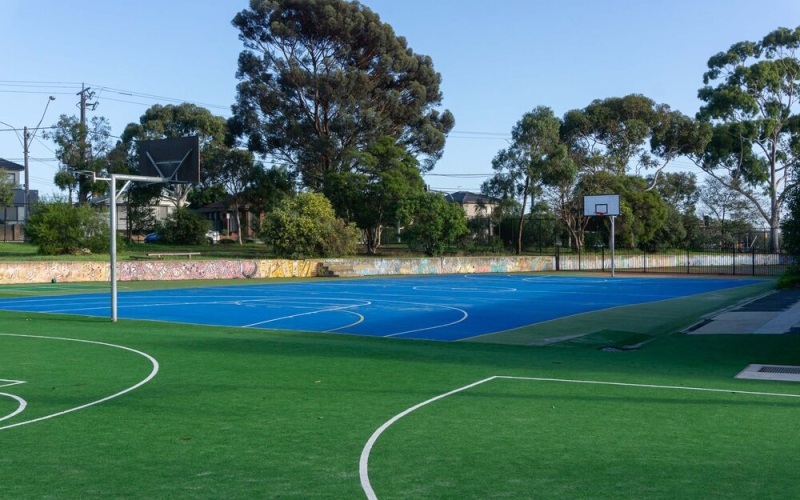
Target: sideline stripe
[[147, 379], [363, 465]]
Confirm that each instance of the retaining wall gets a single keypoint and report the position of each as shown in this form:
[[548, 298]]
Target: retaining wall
[[45, 272]]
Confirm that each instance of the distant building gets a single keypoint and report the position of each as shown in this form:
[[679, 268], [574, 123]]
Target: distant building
[[222, 217], [474, 204], [12, 219]]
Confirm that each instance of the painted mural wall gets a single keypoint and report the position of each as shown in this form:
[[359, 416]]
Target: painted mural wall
[[45, 272]]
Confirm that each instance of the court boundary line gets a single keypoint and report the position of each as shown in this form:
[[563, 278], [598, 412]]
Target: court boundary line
[[363, 463], [147, 379], [20, 406]]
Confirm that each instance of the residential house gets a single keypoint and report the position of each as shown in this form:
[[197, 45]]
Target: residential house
[[12, 218], [474, 204], [223, 219]]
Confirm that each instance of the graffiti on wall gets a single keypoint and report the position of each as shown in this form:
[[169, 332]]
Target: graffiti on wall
[[186, 270], [44, 272]]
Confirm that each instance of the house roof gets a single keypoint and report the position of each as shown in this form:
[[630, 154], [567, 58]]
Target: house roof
[[10, 165], [465, 197]]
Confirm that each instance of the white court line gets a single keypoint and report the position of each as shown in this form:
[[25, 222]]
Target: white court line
[[147, 379], [464, 316], [9, 383], [363, 464], [360, 320], [317, 311], [20, 406]]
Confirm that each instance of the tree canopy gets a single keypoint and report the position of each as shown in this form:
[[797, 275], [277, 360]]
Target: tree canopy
[[321, 80], [371, 195], [751, 95]]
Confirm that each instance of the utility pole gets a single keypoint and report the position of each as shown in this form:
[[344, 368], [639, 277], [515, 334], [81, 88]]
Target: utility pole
[[85, 94], [26, 141]]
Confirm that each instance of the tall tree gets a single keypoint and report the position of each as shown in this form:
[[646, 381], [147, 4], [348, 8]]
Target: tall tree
[[236, 170], [371, 195], [674, 135], [612, 133], [324, 79], [751, 95], [81, 150], [172, 121], [533, 159]]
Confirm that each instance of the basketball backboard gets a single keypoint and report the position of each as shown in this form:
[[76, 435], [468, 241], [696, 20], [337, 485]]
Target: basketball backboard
[[175, 159], [601, 205]]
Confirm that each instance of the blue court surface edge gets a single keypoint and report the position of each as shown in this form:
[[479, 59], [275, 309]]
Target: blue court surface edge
[[445, 308]]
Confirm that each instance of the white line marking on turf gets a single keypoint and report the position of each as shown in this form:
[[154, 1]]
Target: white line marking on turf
[[20, 407], [363, 464], [9, 383], [147, 379]]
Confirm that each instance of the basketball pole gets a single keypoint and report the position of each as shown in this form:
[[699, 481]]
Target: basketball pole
[[112, 204], [612, 245]]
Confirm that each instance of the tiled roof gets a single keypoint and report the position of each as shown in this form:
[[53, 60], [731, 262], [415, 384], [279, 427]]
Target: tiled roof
[[10, 165]]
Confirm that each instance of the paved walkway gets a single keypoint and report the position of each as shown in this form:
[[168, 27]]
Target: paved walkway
[[775, 313]]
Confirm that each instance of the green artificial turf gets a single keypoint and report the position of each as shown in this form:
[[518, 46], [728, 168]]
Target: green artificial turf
[[241, 414]]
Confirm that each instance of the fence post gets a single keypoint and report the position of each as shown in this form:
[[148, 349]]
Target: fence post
[[734, 260], [558, 265], [644, 254], [603, 259], [688, 268]]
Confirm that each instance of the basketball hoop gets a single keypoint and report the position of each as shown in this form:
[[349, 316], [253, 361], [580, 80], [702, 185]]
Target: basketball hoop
[[598, 213]]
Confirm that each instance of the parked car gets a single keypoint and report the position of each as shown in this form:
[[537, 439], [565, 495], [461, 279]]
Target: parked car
[[152, 238]]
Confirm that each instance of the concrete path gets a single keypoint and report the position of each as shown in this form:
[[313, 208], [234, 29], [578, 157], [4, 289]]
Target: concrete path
[[776, 313]]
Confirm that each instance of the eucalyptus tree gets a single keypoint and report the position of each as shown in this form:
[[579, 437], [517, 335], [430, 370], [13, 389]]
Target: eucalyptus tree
[[81, 149], [751, 99], [372, 194], [611, 134], [532, 160], [173, 121], [673, 135], [322, 80]]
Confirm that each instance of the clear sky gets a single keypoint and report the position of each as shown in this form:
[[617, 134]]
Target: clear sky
[[497, 59]]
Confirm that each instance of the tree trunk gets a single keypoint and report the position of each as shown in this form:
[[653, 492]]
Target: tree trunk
[[522, 214], [372, 239], [775, 214], [238, 223]]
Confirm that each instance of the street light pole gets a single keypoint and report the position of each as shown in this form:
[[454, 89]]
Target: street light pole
[[26, 152]]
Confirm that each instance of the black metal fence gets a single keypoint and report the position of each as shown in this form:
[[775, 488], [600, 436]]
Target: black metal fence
[[730, 261]]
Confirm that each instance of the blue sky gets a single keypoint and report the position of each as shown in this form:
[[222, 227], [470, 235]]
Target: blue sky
[[497, 59]]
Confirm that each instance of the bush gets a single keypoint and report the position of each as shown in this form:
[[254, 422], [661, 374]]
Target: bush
[[433, 223], [184, 227], [57, 227], [306, 226]]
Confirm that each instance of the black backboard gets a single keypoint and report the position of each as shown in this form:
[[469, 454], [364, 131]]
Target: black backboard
[[175, 159]]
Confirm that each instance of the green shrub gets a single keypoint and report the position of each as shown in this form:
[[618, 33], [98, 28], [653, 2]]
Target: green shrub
[[57, 227], [184, 227], [306, 226]]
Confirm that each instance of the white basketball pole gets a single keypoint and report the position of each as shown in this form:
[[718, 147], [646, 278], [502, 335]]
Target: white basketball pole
[[612, 246], [113, 227]]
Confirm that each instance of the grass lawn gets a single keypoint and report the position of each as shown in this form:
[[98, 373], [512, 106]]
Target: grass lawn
[[240, 414]]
